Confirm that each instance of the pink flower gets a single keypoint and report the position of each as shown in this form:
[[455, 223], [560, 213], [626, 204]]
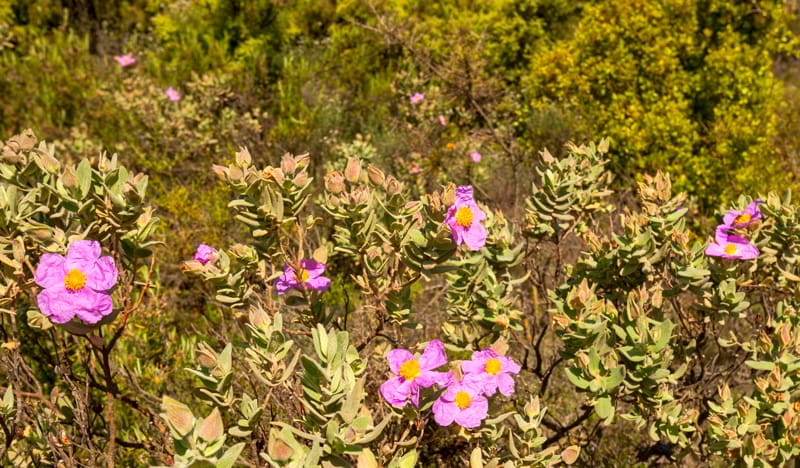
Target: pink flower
[[416, 98], [738, 219], [412, 373], [309, 275], [475, 156], [414, 169], [173, 94], [465, 218], [77, 284], [125, 60], [204, 253], [731, 246], [462, 402], [494, 370], [442, 120]]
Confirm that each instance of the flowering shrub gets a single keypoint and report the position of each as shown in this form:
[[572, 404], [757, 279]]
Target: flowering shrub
[[539, 329]]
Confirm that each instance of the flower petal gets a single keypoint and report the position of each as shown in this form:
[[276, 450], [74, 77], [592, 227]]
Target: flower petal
[[320, 283], [473, 415], [397, 357], [395, 391], [444, 413], [50, 271], [475, 236], [82, 254], [102, 276], [430, 378], [464, 194], [505, 383], [433, 356], [91, 306], [55, 304], [313, 267]]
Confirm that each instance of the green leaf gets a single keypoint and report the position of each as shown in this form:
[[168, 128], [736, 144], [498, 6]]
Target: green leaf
[[604, 408], [576, 380], [230, 456], [84, 174], [760, 365]]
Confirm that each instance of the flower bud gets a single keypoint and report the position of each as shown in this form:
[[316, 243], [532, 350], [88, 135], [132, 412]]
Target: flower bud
[[334, 182], [353, 170], [376, 175], [393, 186], [287, 164]]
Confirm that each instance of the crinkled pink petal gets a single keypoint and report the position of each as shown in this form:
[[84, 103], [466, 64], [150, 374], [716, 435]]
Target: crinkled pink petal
[[204, 253], [464, 194], [50, 271], [444, 412], [508, 365], [396, 391], [433, 356], [430, 378], [313, 267], [286, 281], [715, 250], [102, 276], [729, 217], [91, 306], [474, 414], [748, 252], [505, 383], [475, 236], [55, 303], [320, 283], [397, 357], [82, 254]]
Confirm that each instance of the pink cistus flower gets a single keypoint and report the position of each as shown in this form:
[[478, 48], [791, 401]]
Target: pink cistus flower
[[412, 373], [494, 370], [76, 285], [475, 156], [730, 246], [204, 253], [465, 218], [416, 98], [739, 219], [308, 276], [125, 60], [172, 94], [462, 402], [442, 120], [414, 169]]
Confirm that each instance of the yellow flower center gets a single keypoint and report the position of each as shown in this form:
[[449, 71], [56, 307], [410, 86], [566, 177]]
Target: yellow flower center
[[75, 280], [730, 249], [464, 217], [302, 275], [492, 366], [409, 370], [463, 400], [742, 218]]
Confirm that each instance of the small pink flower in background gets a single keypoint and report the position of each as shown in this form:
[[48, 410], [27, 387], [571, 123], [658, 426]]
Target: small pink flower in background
[[475, 156], [309, 275], [125, 60], [414, 169], [494, 370], [731, 246], [76, 285], [172, 94], [442, 120], [412, 373], [462, 402], [416, 98], [204, 253], [738, 219], [464, 219]]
